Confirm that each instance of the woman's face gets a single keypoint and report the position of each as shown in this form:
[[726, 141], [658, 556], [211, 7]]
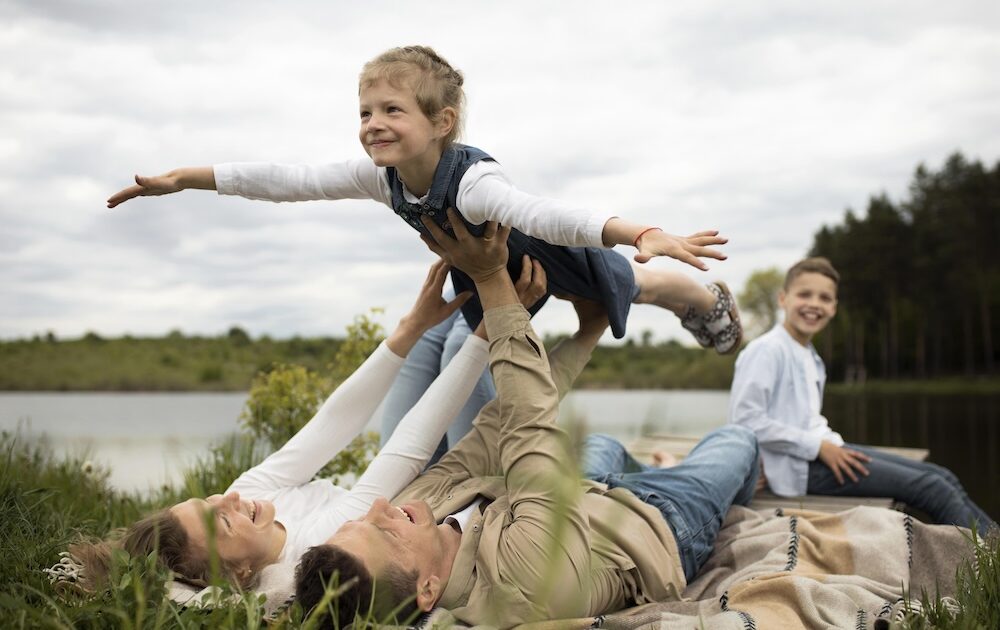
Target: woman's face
[[247, 538]]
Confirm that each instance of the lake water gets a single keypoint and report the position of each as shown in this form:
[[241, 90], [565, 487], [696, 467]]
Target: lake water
[[146, 439]]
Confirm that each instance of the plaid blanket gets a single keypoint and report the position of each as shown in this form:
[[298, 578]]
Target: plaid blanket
[[803, 569]]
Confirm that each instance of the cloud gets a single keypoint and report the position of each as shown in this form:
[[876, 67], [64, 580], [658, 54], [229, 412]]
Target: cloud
[[765, 121]]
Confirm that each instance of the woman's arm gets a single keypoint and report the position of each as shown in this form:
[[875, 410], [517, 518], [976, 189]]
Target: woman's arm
[[418, 434], [346, 412]]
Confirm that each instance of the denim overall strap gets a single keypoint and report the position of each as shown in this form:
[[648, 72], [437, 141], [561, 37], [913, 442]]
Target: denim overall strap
[[455, 161], [596, 274]]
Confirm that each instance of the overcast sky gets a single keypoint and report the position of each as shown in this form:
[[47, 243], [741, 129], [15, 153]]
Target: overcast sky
[[764, 120]]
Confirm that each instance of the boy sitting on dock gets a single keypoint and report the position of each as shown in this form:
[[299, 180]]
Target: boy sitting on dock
[[777, 393]]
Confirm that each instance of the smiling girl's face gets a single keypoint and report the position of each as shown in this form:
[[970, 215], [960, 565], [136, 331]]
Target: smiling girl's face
[[246, 536], [396, 132]]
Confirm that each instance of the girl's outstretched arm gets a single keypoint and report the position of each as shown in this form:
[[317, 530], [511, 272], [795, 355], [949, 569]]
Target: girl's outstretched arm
[[652, 241], [485, 194], [200, 177]]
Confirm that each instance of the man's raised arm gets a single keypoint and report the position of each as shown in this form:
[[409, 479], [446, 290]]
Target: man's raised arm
[[547, 542]]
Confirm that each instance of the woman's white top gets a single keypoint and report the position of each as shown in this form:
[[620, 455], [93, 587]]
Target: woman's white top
[[312, 511], [484, 194]]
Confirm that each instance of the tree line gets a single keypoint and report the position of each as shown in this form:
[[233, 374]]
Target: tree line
[[920, 279]]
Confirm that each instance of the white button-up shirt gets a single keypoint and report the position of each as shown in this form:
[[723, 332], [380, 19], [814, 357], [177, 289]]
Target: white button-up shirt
[[776, 393]]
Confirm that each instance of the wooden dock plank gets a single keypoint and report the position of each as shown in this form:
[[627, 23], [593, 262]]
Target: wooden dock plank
[[679, 446]]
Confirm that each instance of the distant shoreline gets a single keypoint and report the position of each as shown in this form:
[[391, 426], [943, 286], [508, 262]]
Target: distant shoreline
[[229, 363]]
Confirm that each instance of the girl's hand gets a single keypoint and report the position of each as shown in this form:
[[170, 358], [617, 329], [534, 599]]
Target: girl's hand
[[146, 187], [202, 177], [684, 248]]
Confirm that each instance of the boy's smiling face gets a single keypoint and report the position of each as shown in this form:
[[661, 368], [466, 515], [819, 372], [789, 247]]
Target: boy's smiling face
[[810, 302]]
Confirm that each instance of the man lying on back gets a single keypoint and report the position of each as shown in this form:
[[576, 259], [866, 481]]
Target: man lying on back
[[501, 530]]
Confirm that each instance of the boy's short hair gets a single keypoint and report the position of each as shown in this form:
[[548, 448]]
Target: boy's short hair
[[816, 264]]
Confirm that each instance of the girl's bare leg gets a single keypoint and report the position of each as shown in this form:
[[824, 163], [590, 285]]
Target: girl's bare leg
[[670, 290]]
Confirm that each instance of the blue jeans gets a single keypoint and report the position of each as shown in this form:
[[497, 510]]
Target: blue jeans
[[425, 362], [930, 488], [693, 496]]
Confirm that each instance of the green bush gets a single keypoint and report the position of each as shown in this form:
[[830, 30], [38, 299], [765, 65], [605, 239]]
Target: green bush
[[282, 400]]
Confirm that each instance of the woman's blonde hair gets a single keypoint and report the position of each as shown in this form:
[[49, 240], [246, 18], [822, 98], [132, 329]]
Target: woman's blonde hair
[[434, 82], [161, 532]]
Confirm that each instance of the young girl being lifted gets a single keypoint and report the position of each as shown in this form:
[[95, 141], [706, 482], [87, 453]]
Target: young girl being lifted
[[411, 105]]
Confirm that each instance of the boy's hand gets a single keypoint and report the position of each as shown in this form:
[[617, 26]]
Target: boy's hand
[[480, 258], [843, 461], [684, 248], [431, 309]]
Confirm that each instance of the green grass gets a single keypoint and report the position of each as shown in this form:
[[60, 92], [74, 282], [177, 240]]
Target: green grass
[[171, 363], [47, 501], [229, 363], [978, 594]]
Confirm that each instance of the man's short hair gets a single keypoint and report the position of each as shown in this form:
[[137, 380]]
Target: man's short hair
[[816, 264], [391, 598]]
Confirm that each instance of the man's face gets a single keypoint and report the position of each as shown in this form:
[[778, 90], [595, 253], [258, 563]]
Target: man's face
[[810, 302], [246, 534], [407, 536]]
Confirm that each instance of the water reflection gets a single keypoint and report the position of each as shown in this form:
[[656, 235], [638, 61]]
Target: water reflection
[[147, 439], [962, 432]]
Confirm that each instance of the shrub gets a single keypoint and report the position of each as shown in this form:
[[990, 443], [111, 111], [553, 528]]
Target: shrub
[[284, 399]]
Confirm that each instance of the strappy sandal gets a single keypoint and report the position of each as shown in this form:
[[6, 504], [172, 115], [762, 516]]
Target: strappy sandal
[[692, 322], [722, 322]]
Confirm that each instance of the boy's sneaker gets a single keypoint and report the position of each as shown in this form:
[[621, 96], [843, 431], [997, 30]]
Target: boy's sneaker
[[722, 323]]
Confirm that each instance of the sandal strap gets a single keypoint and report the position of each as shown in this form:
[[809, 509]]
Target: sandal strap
[[723, 304], [691, 320]]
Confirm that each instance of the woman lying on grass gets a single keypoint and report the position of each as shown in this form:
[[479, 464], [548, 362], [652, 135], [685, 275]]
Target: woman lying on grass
[[274, 512]]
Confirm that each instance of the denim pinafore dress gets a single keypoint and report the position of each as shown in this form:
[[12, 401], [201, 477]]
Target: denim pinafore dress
[[587, 272]]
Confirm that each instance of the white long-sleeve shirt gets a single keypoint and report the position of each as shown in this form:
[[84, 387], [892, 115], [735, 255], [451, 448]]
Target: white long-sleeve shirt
[[312, 511], [484, 194], [777, 391]]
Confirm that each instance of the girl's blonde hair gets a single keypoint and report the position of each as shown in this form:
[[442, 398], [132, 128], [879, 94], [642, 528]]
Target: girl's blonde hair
[[434, 82], [161, 532]]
